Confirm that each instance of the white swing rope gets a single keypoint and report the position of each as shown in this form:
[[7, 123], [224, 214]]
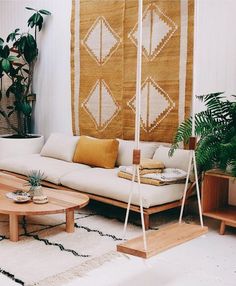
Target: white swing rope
[[192, 155], [137, 127]]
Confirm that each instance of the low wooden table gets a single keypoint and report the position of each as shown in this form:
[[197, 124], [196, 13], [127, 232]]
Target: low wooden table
[[59, 201]]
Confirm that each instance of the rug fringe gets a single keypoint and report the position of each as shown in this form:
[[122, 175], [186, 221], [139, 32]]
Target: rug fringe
[[78, 271]]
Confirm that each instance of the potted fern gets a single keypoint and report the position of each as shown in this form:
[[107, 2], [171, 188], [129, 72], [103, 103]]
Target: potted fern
[[215, 129], [18, 56]]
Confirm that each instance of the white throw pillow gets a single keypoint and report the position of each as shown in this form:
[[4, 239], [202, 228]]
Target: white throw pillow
[[125, 153], [179, 160], [60, 146]]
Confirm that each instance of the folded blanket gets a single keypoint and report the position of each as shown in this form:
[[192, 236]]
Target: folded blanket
[[142, 179], [168, 176], [151, 164], [129, 170], [150, 171]]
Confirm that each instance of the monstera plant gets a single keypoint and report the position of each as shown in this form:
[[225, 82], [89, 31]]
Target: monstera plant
[[18, 56], [215, 128]]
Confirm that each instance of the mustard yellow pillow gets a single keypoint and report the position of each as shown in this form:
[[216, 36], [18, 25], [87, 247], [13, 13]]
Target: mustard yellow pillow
[[96, 152]]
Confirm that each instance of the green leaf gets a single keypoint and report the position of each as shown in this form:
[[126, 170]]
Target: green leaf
[[6, 65], [32, 24], [30, 53], [12, 36], [26, 108], [1, 42], [32, 9], [31, 20], [40, 25], [9, 37], [12, 58], [20, 44], [37, 18], [31, 41], [5, 52], [44, 12], [13, 72]]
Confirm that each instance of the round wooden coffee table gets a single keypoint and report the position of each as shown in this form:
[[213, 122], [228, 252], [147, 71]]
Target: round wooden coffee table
[[59, 201]]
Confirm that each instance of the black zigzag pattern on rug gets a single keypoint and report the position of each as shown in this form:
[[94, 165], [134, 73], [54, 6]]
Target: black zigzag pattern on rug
[[47, 242], [54, 225], [24, 226], [6, 273], [99, 232], [11, 276], [76, 225], [48, 226]]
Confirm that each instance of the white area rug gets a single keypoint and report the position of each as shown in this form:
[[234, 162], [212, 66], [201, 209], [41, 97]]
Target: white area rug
[[48, 256]]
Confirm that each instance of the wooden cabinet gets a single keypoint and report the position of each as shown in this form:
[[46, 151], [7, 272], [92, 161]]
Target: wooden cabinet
[[214, 198]]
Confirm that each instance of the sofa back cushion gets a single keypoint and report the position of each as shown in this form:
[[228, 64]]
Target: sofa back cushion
[[96, 152], [179, 160], [125, 154], [60, 146]]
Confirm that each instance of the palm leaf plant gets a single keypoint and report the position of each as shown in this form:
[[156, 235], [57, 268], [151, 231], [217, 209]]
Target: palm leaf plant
[[215, 129], [35, 178], [18, 56]]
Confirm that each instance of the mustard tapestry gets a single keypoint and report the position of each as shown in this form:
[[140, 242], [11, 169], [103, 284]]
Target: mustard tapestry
[[103, 67]]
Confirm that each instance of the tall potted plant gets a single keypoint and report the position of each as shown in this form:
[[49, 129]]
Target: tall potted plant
[[215, 129], [18, 56]]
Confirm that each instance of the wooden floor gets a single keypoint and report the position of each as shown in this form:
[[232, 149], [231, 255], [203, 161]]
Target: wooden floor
[[162, 239]]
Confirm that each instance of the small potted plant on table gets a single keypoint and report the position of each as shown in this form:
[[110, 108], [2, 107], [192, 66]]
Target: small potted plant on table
[[35, 178]]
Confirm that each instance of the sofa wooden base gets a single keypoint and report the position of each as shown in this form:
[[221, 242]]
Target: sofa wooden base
[[147, 211]]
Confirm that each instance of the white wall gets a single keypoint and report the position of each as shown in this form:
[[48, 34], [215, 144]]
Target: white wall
[[215, 56], [52, 78]]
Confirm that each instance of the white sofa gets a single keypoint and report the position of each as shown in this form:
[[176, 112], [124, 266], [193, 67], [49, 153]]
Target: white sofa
[[55, 161]]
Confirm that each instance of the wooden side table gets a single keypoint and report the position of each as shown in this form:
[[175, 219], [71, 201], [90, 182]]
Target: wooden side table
[[214, 198]]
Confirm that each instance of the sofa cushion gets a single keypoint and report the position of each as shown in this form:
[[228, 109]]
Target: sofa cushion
[[52, 168], [125, 154], [106, 183], [60, 146], [96, 152], [179, 160]]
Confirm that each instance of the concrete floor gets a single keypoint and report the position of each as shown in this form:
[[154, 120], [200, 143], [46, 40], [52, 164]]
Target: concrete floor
[[209, 260]]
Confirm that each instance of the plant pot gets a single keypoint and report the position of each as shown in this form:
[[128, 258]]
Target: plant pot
[[38, 196], [12, 147], [37, 191]]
